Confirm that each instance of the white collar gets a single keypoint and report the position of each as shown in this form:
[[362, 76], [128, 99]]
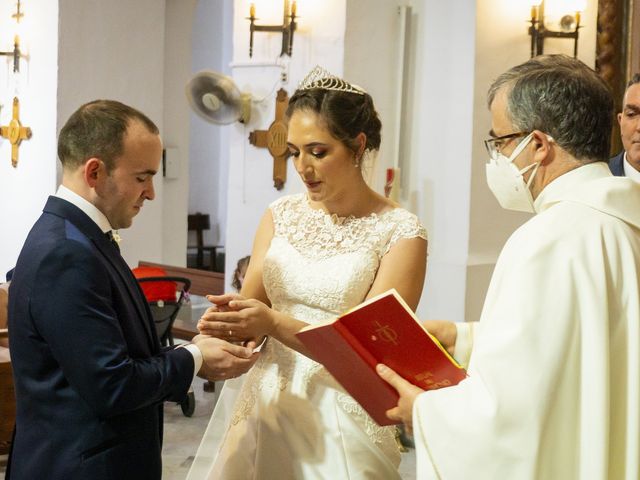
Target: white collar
[[559, 186], [87, 207], [629, 170]]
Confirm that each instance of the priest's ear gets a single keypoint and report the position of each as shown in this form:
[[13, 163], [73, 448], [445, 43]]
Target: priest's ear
[[543, 145], [93, 169]]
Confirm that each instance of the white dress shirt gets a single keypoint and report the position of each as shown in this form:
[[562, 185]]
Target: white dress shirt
[[630, 171]]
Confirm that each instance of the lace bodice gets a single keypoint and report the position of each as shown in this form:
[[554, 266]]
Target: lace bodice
[[320, 265], [316, 267]]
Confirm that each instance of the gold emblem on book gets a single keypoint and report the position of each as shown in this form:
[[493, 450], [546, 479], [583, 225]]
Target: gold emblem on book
[[426, 378], [387, 333]]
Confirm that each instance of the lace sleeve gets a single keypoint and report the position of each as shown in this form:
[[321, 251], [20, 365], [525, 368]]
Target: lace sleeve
[[407, 226], [282, 210]]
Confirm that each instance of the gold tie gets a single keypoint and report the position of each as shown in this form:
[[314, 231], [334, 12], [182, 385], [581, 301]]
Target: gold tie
[[109, 235]]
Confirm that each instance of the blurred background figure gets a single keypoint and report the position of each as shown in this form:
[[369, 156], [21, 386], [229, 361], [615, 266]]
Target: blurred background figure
[[239, 272]]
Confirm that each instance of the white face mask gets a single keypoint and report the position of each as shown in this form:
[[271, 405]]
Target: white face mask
[[506, 181]]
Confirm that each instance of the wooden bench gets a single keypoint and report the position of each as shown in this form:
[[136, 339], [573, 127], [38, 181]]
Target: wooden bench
[[8, 398], [203, 283], [8, 401]]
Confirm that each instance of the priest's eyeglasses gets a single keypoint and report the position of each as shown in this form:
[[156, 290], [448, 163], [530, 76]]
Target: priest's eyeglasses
[[495, 145]]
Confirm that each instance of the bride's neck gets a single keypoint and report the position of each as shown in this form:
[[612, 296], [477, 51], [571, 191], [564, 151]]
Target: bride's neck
[[357, 202]]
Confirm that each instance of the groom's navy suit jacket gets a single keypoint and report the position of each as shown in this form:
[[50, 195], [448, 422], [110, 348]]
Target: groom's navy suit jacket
[[616, 165], [89, 372]]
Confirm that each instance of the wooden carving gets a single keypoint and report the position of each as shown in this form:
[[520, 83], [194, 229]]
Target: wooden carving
[[15, 132], [275, 140], [611, 56]]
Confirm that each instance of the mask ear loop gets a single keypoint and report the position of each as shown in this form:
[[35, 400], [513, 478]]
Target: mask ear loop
[[533, 165], [521, 146], [533, 174]]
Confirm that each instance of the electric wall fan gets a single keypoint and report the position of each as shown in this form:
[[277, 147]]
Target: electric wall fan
[[216, 98]]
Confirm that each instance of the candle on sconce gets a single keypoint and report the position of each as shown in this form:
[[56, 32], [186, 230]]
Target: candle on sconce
[[294, 8], [252, 10], [578, 18], [534, 12]]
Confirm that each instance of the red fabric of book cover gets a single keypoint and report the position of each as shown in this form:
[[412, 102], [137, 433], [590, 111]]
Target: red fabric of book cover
[[382, 330]]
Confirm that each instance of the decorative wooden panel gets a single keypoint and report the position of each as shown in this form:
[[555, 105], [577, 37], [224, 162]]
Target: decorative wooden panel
[[618, 51]]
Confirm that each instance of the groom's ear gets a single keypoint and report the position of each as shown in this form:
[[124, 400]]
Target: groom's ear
[[93, 170]]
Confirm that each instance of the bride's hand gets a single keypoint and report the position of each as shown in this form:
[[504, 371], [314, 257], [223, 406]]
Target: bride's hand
[[239, 320], [221, 302]]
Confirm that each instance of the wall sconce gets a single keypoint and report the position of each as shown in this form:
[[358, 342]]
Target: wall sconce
[[569, 26], [287, 28], [15, 53]]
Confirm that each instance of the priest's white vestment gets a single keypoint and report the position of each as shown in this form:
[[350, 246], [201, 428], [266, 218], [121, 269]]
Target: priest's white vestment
[[554, 375]]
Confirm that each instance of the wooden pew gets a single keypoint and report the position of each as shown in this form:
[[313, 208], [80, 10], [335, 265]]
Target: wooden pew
[[203, 282], [7, 398]]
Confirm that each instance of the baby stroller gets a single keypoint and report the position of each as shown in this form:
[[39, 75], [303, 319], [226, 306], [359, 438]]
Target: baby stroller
[[165, 296]]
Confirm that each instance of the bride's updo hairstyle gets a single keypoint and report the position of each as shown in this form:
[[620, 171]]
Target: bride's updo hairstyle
[[346, 109]]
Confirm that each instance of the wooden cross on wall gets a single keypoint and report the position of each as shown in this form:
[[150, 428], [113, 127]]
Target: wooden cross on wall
[[275, 140], [18, 15], [15, 132]]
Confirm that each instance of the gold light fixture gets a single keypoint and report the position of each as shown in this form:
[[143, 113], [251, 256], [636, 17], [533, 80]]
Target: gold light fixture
[[15, 53], [287, 28], [569, 24]]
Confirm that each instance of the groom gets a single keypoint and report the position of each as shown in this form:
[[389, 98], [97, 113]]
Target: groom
[[90, 375]]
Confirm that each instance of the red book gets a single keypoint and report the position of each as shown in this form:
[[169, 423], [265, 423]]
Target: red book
[[381, 330]]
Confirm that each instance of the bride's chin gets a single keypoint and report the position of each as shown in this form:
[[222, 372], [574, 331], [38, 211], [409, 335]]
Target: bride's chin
[[315, 196]]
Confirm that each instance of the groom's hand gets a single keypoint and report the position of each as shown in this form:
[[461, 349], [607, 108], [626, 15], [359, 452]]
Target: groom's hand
[[223, 360]]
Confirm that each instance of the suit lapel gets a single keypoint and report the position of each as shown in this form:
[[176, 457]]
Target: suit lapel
[[616, 165], [136, 295], [88, 227]]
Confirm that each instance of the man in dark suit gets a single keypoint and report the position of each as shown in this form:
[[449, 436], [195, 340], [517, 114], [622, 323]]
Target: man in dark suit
[[627, 162], [90, 374]]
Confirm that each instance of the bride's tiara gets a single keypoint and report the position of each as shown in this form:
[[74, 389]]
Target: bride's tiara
[[320, 78]]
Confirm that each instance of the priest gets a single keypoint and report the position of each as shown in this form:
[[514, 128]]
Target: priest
[[553, 386]]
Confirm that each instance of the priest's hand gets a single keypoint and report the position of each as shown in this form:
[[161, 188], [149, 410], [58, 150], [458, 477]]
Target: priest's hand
[[223, 360], [444, 331], [237, 319], [408, 392]]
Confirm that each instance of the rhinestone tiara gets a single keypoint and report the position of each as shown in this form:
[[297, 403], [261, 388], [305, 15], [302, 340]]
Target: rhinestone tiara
[[320, 78]]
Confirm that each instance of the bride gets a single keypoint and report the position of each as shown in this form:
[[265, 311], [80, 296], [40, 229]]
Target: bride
[[315, 255]]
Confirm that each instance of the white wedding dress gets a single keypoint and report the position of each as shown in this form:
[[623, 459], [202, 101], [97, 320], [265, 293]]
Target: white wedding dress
[[287, 418]]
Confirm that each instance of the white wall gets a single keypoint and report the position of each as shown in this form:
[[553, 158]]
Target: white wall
[[105, 50], [438, 85], [439, 146], [177, 70], [380, 77], [435, 145], [318, 41], [24, 190], [209, 143], [115, 50]]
